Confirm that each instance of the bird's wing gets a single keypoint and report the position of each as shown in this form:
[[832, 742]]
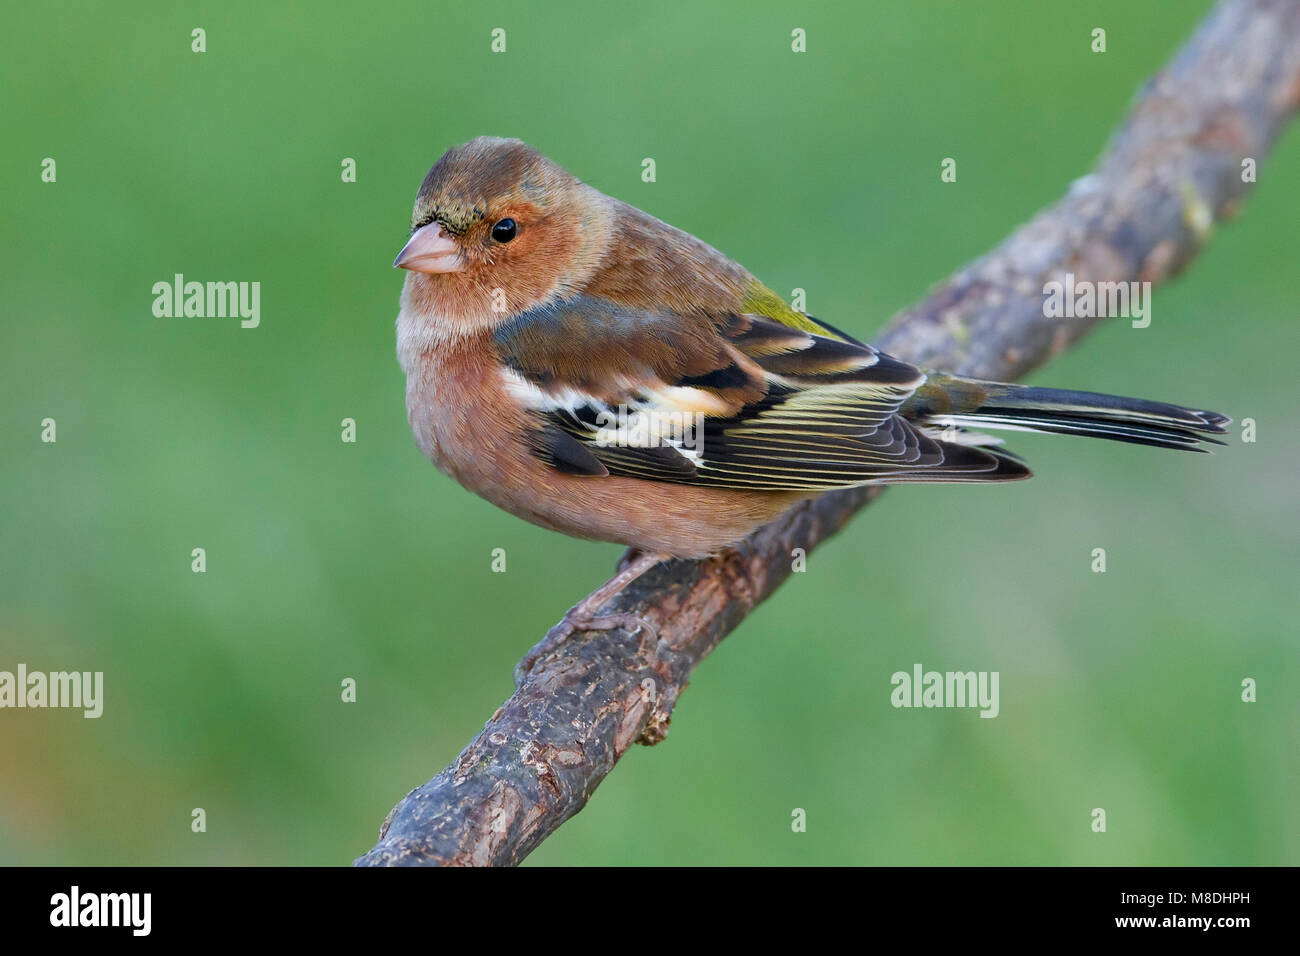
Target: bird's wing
[[734, 400]]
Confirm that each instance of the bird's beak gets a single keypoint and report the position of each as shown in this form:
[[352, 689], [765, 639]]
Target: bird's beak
[[430, 249]]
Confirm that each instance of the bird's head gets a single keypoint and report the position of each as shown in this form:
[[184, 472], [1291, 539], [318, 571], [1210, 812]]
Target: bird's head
[[497, 228]]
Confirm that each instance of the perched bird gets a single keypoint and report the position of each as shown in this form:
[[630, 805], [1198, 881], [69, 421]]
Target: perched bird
[[598, 372]]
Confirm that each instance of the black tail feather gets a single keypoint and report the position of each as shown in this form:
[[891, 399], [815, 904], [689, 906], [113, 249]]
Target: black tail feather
[[1068, 412]]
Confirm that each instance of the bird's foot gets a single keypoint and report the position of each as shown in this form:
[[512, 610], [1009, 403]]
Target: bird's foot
[[630, 557], [585, 616], [574, 622]]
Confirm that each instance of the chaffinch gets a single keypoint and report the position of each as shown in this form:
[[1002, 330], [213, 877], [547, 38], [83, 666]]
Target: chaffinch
[[598, 372]]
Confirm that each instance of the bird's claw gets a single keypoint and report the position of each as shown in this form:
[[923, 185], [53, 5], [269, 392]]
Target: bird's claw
[[581, 621]]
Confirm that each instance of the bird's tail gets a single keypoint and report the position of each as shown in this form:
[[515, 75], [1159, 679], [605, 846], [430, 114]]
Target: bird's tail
[[948, 401]]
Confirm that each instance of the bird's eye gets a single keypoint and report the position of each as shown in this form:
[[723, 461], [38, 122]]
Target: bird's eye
[[504, 230]]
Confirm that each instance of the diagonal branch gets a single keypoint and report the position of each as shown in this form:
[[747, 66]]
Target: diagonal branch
[[1171, 171]]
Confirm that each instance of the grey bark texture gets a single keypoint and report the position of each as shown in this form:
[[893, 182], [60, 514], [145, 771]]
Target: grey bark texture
[[1171, 171]]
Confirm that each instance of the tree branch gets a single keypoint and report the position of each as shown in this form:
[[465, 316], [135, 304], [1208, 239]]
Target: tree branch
[[1172, 170]]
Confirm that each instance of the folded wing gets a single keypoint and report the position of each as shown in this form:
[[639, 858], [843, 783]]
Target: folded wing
[[735, 401]]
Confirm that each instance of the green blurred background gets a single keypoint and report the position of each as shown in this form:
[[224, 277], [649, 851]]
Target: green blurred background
[[327, 560]]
